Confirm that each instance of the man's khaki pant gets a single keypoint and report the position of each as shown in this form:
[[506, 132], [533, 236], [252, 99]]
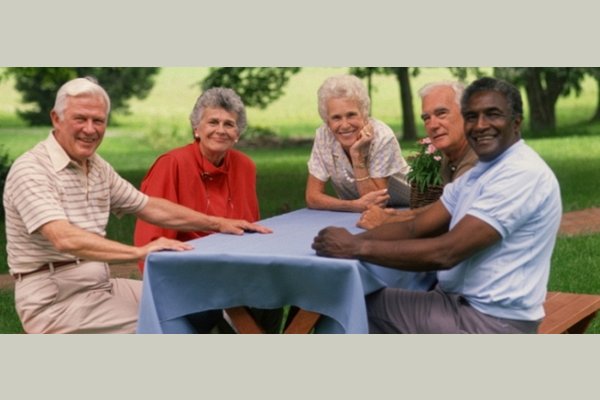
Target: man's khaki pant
[[79, 298]]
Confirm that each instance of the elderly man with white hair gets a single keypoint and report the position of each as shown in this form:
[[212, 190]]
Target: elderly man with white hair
[[58, 197]]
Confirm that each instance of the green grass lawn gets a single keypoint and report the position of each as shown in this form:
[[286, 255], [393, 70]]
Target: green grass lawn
[[161, 122]]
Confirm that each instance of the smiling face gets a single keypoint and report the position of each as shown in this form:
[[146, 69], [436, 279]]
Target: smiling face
[[442, 118], [81, 128], [490, 126], [345, 120], [218, 131]]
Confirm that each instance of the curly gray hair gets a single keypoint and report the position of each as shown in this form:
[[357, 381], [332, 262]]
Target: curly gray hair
[[219, 97], [343, 86]]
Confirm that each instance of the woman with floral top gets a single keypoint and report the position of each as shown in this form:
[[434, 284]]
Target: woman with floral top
[[358, 154]]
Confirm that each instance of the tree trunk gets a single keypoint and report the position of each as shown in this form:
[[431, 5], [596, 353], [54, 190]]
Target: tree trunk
[[409, 129], [541, 106], [543, 87]]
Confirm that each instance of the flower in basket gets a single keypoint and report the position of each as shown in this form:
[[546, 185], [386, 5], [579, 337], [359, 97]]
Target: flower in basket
[[425, 166]]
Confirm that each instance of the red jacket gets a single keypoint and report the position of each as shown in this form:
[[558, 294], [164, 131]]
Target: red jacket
[[182, 176]]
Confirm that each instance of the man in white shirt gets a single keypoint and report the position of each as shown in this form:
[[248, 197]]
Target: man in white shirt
[[490, 236]]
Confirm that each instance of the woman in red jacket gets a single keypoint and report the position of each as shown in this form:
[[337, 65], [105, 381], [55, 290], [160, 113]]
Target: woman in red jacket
[[207, 175]]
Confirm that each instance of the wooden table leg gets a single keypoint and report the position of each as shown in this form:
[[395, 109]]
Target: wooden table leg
[[243, 321], [303, 322]]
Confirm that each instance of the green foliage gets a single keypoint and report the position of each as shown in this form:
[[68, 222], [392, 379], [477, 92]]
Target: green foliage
[[39, 86], [403, 77], [461, 73], [5, 163], [543, 87], [257, 86], [425, 166], [9, 320]]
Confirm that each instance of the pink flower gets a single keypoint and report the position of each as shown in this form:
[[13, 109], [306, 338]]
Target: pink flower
[[425, 166]]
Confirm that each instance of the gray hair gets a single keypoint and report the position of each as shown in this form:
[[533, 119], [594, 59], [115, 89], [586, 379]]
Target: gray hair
[[219, 97], [457, 87], [87, 86], [343, 86]]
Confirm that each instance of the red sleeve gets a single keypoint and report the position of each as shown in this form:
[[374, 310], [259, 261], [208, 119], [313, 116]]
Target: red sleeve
[[160, 181]]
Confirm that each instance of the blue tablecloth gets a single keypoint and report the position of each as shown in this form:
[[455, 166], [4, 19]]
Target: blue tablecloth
[[264, 271]]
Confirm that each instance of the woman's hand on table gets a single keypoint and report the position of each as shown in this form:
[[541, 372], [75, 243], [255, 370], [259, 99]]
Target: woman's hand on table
[[240, 226], [374, 198], [374, 216]]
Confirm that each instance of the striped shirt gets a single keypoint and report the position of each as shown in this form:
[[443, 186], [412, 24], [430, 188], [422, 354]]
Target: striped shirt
[[329, 161], [45, 185]]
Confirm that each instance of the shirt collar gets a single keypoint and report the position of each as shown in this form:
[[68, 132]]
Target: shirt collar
[[58, 156], [483, 166]]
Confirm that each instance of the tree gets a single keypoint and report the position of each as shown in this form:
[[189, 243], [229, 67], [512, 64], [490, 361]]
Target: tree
[[39, 86], [594, 72], [409, 128], [402, 74], [257, 86], [543, 86]]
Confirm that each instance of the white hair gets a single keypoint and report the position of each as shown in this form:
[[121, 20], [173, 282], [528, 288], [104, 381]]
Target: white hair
[[343, 86], [457, 87], [79, 87]]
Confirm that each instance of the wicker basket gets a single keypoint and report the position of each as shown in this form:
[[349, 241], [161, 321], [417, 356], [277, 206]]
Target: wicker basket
[[420, 199]]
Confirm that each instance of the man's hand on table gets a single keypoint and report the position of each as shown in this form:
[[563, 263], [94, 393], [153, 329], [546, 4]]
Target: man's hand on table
[[336, 243]]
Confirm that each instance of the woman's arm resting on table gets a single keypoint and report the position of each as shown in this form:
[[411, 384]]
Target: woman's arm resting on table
[[316, 198], [375, 216], [170, 215]]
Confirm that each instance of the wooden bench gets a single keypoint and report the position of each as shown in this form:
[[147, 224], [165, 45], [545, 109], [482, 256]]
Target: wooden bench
[[565, 313], [568, 312]]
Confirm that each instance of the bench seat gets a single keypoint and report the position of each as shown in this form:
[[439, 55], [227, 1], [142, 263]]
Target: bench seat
[[568, 312]]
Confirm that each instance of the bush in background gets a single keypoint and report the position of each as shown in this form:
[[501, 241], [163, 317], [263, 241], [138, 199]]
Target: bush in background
[[5, 163]]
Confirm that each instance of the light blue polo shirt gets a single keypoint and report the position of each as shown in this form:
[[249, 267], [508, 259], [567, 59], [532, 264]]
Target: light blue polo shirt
[[518, 195]]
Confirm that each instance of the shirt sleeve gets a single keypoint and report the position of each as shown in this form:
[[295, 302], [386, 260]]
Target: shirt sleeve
[[160, 181], [124, 197], [509, 199], [33, 194], [317, 164], [385, 157]]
